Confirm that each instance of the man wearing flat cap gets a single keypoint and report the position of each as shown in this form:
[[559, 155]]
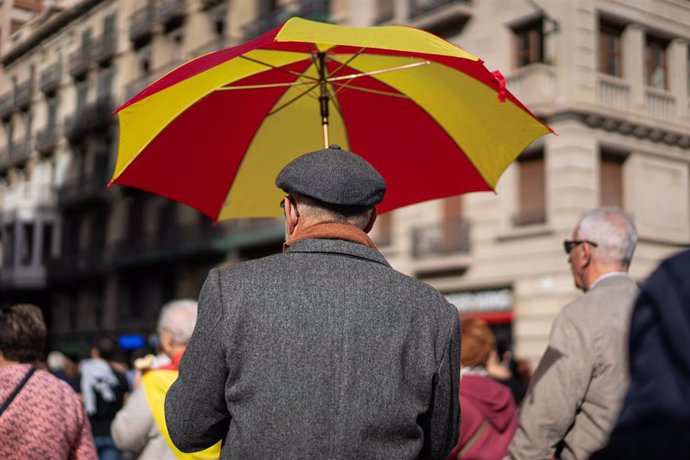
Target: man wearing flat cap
[[323, 351]]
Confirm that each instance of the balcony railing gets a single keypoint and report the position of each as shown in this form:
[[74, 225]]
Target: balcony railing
[[91, 118], [84, 190], [533, 84], [21, 151], [213, 45], [23, 94], [143, 22], [170, 11], [105, 47], [50, 78], [177, 241], [660, 104], [28, 195], [443, 238], [79, 61], [529, 218], [613, 92], [135, 86], [267, 22], [419, 7], [6, 105], [75, 263], [46, 139]]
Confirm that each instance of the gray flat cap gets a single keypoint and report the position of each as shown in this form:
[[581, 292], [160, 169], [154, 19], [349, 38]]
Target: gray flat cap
[[333, 176]]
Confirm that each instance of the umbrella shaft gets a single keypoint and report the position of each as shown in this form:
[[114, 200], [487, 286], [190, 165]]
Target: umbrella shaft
[[323, 97]]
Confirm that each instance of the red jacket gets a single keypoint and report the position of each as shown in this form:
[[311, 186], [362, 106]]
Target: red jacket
[[483, 399]]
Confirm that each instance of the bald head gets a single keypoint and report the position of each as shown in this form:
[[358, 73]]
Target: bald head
[[613, 232]]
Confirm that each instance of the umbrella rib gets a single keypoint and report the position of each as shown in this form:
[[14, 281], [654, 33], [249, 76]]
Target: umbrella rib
[[376, 72], [289, 72], [294, 99], [344, 64], [342, 86], [265, 85]]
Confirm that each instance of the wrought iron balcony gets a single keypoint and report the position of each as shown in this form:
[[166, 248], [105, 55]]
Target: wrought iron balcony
[[213, 45], [85, 190], [193, 240], [267, 22], [419, 7], [170, 11], [79, 61], [90, 118], [23, 94], [46, 139], [143, 22], [529, 218], [444, 17], [443, 238], [6, 105], [86, 261], [50, 78], [21, 151], [105, 47]]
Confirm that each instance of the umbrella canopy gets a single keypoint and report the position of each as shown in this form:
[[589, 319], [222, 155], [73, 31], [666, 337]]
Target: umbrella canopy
[[215, 132]]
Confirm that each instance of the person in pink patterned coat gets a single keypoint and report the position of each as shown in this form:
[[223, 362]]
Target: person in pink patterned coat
[[40, 415]]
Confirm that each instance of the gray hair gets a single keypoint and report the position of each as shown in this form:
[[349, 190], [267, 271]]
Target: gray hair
[[613, 231], [56, 361], [322, 212], [178, 317]]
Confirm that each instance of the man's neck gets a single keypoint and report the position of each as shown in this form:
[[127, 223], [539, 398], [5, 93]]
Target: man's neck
[[604, 273]]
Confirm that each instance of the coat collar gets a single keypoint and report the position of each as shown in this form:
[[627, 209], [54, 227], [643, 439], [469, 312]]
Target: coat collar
[[617, 279], [338, 247]]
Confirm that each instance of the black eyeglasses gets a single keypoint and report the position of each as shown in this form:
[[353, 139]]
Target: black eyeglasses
[[569, 245]]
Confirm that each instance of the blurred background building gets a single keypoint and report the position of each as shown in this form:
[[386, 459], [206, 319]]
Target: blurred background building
[[612, 77]]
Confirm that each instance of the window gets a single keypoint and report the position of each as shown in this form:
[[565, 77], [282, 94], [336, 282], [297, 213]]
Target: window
[[82, 94], [105, 82], [27, 244], [47, 243], [52, 112], [611, 180], [529, 43], [610, 49], [531, 190], [109, 25], [8, 251], [655, 63]]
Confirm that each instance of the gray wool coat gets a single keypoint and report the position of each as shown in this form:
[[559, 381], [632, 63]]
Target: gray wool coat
[[321, 352]]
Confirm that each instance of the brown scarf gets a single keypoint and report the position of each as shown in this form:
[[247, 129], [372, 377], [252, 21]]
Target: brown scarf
[[330, 231]]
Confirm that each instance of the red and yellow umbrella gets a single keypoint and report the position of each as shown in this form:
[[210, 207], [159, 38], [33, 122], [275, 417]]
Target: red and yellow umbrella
[[215, 132]]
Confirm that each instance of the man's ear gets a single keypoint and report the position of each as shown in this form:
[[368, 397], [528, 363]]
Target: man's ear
[[372, 219], [291, 214], [586, 258]]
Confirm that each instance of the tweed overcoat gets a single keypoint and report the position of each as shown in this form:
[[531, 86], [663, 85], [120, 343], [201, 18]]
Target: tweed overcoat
[[323, 351]]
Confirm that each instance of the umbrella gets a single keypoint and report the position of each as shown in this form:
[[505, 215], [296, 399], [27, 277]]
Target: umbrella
[[214, 132]]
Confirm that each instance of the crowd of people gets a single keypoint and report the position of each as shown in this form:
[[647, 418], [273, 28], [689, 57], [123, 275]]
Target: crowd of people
[[325, 351]]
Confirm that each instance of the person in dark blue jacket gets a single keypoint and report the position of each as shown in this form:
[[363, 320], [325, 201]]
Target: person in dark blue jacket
[[655, 420]]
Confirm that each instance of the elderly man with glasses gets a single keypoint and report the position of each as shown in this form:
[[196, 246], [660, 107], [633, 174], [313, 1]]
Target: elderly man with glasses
[[577, 390]]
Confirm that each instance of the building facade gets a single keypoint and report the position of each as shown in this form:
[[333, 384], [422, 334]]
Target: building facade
[[611, 77]]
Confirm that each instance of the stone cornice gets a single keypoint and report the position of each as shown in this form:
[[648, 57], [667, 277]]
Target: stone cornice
[[625, 126], [50, 27]]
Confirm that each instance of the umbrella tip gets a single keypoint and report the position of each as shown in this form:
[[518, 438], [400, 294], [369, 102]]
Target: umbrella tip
[[110, 183]]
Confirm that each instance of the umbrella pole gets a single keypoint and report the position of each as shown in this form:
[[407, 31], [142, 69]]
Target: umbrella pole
[[323, 98]]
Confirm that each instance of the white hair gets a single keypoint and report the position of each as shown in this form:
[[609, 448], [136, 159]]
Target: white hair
[[613, 232], [56, 361], [178, 317]]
